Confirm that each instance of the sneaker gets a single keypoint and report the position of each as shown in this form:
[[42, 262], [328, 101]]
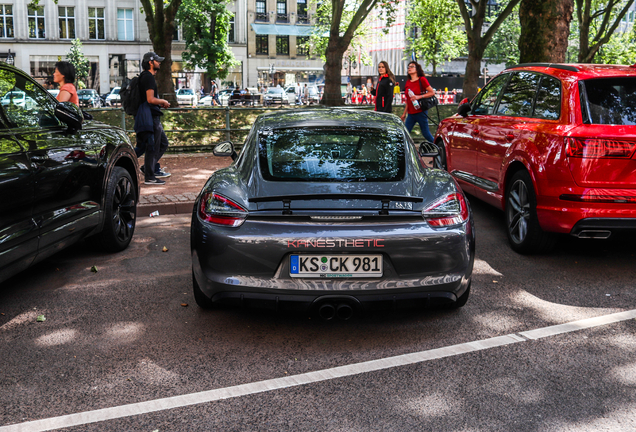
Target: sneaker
[[155, 181], [162, 174]]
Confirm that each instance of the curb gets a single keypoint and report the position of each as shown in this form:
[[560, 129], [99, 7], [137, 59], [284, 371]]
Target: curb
[[169, 208]]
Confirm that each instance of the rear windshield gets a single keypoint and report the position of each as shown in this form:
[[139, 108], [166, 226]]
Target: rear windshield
[[332, 154], [609, 101]]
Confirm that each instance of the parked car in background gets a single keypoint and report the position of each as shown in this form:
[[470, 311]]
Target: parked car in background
[[54, 92], [331, 210], [290, 91], [553, 146], [113, 97], [17, 98], [186, 96], [275, 95], [63, 178], [206, 101], [89, 98], [224, 96]]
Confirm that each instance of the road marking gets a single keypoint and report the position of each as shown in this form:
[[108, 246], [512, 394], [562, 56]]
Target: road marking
[[122, 411]]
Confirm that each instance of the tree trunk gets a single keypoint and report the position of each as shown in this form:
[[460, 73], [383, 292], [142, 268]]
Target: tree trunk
[[473, 70], [333, 68], [545, 27]]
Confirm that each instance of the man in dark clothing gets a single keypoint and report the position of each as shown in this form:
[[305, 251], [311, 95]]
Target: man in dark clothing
[[156, 142]]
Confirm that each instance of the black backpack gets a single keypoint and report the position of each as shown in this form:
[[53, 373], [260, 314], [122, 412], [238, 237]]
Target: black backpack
[[130, 95]]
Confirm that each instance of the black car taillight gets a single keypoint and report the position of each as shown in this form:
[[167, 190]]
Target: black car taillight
[[220, 210], [447, 211], [598, 148]]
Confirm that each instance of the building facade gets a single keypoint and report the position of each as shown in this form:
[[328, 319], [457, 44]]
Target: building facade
[[277, 30]]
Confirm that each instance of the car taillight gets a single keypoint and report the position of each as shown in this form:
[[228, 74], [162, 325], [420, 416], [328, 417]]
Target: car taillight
[[598, 148], [220, 210], [447, 211]]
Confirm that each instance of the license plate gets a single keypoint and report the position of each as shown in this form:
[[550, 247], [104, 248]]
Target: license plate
[[335, 266]]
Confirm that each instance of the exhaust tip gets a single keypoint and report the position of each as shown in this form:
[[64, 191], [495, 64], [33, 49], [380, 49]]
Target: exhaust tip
[[594, 234], [344, 311], [327, 311]]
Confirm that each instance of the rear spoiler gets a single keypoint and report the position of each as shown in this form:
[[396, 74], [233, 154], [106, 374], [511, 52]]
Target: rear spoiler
[[287, 199]]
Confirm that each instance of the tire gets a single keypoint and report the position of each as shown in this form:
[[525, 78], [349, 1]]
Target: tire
[[522, 224], [120, 211], [202, 300], [461, 300], [439, 162]]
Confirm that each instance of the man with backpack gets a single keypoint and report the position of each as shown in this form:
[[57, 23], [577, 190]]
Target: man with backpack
[[156, 142]]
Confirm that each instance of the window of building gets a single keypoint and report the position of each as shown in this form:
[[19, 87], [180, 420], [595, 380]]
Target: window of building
[[6, 21], [67, 22], [36, 22], [261, 44], [261, 12], [282, 45], [96, 23], [302, 45], [281, 7], [230, 32], [125, 24], [301, 6], [175, 33]]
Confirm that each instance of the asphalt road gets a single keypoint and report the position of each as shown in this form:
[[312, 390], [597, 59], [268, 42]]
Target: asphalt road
[[121, 336]]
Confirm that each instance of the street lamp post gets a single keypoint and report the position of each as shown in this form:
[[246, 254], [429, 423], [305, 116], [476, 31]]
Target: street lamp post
[[272, 71], [10, 60]]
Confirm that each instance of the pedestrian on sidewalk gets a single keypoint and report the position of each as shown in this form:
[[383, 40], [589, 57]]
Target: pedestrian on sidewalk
[[64, 75], [417, 87], [156, 142], [384, 91]]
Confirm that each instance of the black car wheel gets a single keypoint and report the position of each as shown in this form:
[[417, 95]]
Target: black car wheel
[[120, 210], [439, 161], [523, 229]]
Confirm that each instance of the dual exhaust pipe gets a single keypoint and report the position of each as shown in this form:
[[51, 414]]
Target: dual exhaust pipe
[[328, 311]]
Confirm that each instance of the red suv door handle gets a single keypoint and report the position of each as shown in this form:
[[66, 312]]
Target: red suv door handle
[[510, 136]]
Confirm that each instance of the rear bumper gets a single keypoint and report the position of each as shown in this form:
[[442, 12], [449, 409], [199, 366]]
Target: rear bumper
[[562, 216], [602, 227], [250, 267]]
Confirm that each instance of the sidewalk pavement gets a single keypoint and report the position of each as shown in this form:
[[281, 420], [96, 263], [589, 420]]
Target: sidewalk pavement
[[189, 174]]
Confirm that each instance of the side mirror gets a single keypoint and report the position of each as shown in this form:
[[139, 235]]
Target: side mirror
[[225, 149], [464, 109], [428, 149], [69, 114]]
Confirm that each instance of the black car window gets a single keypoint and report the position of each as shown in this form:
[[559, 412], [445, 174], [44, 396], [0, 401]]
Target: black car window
[[548, 104], [332, 154], [609, 100], [23, 103], [518, 97], [487, 98]]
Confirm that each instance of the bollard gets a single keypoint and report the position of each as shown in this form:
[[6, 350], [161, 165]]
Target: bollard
[[227, 123], [123, 119]]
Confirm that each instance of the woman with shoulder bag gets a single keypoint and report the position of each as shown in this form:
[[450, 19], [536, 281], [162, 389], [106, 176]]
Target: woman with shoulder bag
[[421, 89], [384, 91]]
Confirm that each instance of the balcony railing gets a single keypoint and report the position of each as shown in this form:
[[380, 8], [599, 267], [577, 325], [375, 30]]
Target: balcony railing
[[262, 17], [302, 19], [282, 18]]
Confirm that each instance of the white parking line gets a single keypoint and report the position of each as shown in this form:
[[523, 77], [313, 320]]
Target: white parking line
[[122, 411]]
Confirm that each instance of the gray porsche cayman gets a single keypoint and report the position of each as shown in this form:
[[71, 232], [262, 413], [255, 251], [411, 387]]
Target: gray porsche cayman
[[330, 209]]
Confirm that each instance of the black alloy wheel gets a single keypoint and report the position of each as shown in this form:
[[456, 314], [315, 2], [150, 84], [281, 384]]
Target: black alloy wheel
[[522, 224], [120, 211]]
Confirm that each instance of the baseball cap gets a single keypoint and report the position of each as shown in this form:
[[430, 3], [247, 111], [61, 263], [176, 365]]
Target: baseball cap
[[150, 56]]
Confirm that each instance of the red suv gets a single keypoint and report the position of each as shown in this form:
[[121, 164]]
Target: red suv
[[553, 145]]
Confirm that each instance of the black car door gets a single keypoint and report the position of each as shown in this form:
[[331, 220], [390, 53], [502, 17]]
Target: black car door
[[18, 231], [65, 167]]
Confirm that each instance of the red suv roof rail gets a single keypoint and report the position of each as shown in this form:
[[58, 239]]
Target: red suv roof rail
[[551, 65]]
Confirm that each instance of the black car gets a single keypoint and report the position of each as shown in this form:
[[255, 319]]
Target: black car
[[61, 178], [89, 98], [331, 209]]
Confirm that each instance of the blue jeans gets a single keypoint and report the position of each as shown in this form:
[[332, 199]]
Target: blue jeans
[[420, 118]]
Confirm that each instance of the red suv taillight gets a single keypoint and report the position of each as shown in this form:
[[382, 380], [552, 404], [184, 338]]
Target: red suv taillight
[[447, 211], [598, 148], [220, 210]]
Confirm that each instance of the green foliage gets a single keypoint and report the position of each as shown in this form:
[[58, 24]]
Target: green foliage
[[205, 27], [435, 29], [620, 49], [504, 47], [76, 57]]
